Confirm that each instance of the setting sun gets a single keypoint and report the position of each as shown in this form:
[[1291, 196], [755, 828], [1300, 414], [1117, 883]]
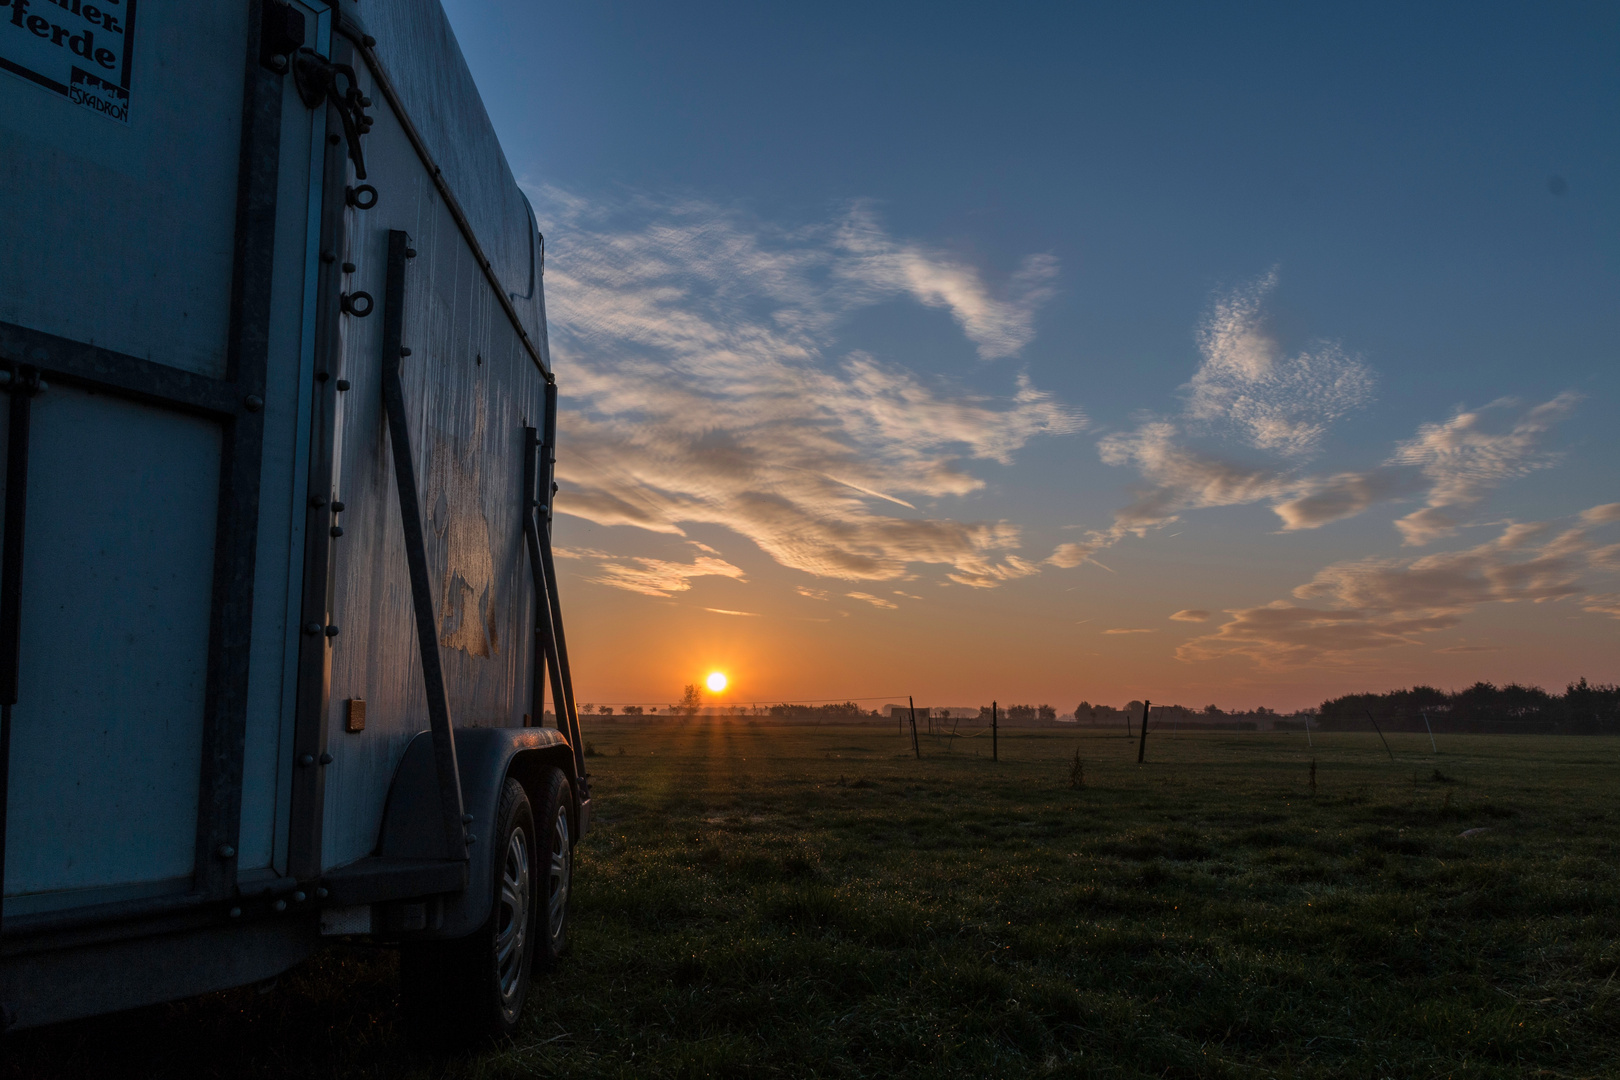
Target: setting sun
[[716, 681]]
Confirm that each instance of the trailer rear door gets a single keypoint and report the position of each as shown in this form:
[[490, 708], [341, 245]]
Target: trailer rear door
[[156, 279]]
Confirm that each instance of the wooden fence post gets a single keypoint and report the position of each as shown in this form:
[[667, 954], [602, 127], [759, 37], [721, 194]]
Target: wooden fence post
[[1141, 747], [912, 705], [995, 751]]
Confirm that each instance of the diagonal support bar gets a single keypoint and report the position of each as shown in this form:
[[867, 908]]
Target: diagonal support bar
[[410, 511], [546, 658], [549, 625]]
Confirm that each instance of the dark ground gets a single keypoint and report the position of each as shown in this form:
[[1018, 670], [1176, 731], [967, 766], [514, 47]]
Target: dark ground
[[797, 902]]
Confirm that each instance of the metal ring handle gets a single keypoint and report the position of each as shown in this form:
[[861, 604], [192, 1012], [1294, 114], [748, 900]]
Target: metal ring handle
[[358, 304], [363, 197]]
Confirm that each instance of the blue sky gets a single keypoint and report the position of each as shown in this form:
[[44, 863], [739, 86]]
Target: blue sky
[[923, 346]]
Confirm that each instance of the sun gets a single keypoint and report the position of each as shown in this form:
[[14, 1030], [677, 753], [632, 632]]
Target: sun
[[716, 682]]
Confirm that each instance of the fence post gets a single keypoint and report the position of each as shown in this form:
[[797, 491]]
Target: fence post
[[995, 752], [1380, 731], [1429, 729], [912, 705], [1141, 747]]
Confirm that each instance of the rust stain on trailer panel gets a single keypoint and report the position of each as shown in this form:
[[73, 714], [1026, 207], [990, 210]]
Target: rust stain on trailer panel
[[467, 618]]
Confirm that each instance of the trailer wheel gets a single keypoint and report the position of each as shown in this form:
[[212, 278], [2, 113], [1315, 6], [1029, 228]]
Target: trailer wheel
[[555, 866], [471, 989]]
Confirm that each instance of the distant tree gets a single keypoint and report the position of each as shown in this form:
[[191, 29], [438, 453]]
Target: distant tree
[[1582, 707], [1085, 711], [944, 714], [1212, 710], [587, 708], [1046, 712], [691, 700], [632, 710], [604, 710], [1020, 712]]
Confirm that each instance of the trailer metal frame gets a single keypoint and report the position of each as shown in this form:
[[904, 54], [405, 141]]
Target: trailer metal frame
[[428, 873]]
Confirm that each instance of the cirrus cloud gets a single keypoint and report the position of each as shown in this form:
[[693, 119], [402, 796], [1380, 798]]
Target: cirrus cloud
[[1465, 457], [660, 577], [1274, 401], [1371, 604], [700, 388]]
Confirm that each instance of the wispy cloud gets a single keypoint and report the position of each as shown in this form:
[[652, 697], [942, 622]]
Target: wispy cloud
[[1065, 556], [1378, 603], [1453, 465], [1603, 604], [660, 577], [1467, 456], [874, 266], [875, 601], [1341, 496], [728, 611], [703, 388], [1179, 478], [1247, 382], [1127, 630], [1247, 386], [1191, 615], [987, 575]]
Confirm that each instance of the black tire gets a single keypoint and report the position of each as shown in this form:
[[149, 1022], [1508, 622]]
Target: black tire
[[469, 990], [554, 817]]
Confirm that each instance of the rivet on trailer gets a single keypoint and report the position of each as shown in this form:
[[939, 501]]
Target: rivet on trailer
[[277, 598]]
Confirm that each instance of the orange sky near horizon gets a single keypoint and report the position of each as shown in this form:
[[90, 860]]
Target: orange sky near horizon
[[1026, 642]]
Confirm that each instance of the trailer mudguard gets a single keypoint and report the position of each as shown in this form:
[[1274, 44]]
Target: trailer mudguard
[[485, 757]]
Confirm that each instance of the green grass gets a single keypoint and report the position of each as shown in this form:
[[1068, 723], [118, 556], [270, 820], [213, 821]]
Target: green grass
[[767, 901]]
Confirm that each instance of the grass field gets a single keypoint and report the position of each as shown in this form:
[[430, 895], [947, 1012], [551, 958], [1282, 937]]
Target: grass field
[[768, 901]]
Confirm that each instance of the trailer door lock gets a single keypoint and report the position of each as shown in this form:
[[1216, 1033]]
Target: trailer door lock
[[317, 79]]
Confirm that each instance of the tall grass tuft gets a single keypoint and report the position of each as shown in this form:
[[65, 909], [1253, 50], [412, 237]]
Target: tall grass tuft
[[1077, 771]]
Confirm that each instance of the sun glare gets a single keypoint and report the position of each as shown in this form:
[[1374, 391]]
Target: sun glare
[[716, 681]]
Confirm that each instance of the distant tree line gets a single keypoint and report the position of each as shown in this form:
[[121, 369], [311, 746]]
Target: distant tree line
[[1583, 708], [1021, 712], [845, 711], [1192, 718]]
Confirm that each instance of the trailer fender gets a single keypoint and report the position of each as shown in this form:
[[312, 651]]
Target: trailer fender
[[485, 757]]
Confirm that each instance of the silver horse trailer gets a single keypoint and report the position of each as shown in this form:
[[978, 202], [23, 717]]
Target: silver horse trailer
[[277, 604]]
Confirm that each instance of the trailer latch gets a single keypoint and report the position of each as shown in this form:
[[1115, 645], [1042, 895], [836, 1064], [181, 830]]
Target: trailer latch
[[317, 80]]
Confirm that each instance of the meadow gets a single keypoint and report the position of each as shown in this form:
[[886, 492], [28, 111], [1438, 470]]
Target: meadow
[[760, 900]]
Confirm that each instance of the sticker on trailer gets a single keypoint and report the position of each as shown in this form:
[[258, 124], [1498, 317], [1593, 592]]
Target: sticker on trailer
[[81, 50]]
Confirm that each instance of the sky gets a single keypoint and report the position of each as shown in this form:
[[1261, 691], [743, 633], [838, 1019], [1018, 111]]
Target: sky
[[1214, 354]]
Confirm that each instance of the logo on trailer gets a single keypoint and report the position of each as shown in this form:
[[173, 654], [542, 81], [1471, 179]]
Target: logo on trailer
[[83, 51], [106, 98]]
